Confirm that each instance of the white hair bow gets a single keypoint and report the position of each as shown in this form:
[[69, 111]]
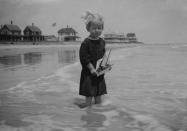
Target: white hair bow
[[88, 16]]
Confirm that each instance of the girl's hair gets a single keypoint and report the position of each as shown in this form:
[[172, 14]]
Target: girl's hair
[[90, 18]]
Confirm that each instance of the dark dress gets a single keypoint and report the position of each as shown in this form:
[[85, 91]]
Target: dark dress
[[91, 51]]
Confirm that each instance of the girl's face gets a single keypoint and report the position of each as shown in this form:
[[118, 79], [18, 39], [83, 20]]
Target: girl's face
[[95, 30]]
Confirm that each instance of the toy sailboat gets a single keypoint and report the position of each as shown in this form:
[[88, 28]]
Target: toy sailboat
[[103, 64]]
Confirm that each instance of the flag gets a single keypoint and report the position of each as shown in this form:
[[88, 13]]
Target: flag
[[54, 24]]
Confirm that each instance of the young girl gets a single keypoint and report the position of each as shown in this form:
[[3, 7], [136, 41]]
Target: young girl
[[91, 50]]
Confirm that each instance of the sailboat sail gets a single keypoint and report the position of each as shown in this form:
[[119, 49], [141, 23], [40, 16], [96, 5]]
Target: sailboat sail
[[105, 59], [103, 65]]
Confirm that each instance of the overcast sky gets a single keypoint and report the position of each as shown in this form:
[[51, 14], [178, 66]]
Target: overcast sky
[[153, 21]]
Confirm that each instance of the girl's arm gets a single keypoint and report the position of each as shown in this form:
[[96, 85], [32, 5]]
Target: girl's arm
[[84, 55], [85, 58], [92, 69]]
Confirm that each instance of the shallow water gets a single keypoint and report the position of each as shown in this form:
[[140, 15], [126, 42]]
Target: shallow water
[[147, 91]]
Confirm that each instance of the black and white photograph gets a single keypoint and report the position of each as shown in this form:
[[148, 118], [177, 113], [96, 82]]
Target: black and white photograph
[[93, 65]]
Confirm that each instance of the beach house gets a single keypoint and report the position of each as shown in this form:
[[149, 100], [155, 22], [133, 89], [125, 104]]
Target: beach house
[[114, 38], [32, 33], [67, 34], [1, 28], [131, 37], [50, 38], [10, 32]]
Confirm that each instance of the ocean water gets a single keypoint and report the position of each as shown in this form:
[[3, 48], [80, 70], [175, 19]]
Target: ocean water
[[147, 90]]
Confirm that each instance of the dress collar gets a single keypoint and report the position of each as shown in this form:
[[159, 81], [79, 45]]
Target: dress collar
[[93, 38]]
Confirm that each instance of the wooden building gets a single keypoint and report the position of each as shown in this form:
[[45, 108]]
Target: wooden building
[[67, 34], [50, 38], [32, 33], [131, 37], [114, 38], [1, 28], [10, 32]]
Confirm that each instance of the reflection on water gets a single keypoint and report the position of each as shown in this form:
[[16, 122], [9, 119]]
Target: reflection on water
[[21, 59], [32, 58], [93, 120], [11, 60], [33, 65], [67, 56]]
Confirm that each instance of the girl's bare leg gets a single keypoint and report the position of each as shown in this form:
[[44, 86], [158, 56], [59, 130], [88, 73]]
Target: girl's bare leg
[[88, 101], [98, 100]]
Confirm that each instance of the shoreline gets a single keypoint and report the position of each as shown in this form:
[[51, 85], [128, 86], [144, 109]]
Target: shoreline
[[22, 49], [54, 45]]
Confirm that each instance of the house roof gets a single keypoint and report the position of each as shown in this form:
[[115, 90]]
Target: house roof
[[67, 30], [131, 35], [12, 27], [33, 28]]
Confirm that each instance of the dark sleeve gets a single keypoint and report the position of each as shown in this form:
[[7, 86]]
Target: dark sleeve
[[104, 46], [84, 54]]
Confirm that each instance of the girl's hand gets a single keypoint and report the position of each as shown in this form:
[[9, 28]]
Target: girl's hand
[[93, 72], [92, 69]]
